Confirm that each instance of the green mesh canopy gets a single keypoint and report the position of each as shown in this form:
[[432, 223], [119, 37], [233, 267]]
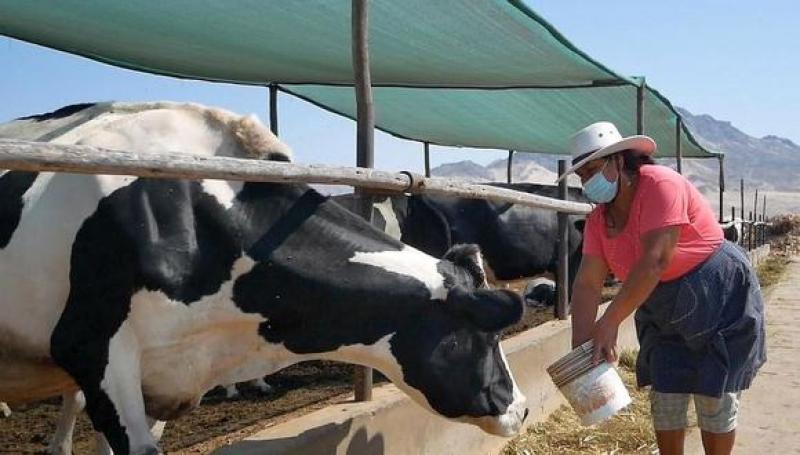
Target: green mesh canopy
[[525, 120], [479, 73]]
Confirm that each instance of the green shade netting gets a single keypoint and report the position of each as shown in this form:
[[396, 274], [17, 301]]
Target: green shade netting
[[525, 120], [443, 44]]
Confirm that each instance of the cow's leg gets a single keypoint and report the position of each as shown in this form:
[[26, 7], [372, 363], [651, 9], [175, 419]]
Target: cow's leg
[[71, 405], [5, 411], [156, 429], [261, 385], [113, 391], [231, 391]]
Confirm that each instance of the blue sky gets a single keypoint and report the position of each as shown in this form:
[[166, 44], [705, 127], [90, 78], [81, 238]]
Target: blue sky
[[737, 61]]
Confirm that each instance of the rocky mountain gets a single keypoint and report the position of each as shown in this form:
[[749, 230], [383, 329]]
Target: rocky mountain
[[767, 163]]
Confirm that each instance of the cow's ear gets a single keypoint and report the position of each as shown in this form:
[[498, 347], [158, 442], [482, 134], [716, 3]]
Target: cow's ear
[[489, 310], [468, 257]]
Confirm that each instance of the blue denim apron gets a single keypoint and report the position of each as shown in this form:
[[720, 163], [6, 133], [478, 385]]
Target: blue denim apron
[[704, 332]]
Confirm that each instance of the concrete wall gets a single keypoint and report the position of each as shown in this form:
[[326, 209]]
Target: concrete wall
[[393, 424]]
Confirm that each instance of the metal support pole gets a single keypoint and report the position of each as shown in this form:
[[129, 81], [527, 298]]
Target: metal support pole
[[273, 108], [364, 142], [640, 108], [755, 204], [741, 197], [721, 158], [562, 287], [510, 165], [764, 218], [678, 151], [427, 148]]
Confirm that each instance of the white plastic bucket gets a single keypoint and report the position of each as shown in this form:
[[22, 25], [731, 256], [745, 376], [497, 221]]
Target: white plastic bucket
[[595, 392]]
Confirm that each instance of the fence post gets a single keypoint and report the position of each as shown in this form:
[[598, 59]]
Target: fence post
[[750, 233], [427, 147], [678, 152], [764, 217], [365, 135], [755, 204], [741, 197], [273, 108], [640, 107], [510, 165], [562, 288]]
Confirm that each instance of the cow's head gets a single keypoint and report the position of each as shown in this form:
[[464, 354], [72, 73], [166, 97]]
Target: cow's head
[[449, 358]]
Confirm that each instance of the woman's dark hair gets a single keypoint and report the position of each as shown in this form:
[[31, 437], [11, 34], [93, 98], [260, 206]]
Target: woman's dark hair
[[633, 160]]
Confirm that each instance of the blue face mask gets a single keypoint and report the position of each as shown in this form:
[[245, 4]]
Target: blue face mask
[[598, 189]]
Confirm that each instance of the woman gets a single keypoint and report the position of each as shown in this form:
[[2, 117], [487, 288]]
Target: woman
[[699, 313]]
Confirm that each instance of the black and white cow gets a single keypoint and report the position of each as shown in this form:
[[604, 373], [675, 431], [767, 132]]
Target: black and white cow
[[146, 293], [540, 292], [732, 230], [515, 240]]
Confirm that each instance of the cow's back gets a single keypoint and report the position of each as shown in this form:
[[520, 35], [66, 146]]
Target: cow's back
[[47, 214]]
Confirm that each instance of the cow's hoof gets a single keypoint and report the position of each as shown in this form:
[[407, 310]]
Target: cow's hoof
[[5, 411]]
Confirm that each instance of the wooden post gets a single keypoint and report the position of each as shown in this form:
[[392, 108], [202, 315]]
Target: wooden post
[[640, 108], [273, 108], [562, 287], [741, 197], [721, 158], [750, 233], [755, 204], [427, 148], [364, 140], [764, 217], [678, 152], [510, 165]]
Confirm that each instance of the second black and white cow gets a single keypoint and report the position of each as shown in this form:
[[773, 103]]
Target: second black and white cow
[[515, 240], [145, 293]]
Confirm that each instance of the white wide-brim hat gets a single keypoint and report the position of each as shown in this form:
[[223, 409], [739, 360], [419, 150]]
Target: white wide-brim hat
[[602, 139]]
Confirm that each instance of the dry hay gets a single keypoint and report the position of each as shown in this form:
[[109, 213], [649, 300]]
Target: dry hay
[[630, 431], [772, 269]]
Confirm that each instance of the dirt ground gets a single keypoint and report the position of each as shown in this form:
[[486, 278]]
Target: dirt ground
[[296, 390]]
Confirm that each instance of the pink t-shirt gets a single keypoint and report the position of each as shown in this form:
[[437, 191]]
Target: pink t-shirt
[[663, 198]]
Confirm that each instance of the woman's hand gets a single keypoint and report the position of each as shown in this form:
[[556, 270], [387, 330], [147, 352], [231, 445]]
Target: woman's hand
[[605, 341]]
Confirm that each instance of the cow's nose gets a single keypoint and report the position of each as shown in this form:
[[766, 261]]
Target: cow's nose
[[525, 415]]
